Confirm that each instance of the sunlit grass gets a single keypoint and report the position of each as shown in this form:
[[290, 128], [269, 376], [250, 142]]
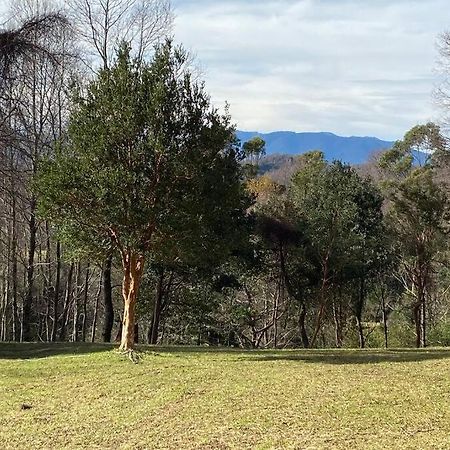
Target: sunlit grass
[[84, 396]]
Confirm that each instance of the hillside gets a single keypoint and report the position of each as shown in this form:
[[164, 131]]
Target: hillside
[[353, 149]]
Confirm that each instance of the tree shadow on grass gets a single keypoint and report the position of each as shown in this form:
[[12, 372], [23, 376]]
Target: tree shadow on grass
[[31, 350], [355, 356], [324, 356]]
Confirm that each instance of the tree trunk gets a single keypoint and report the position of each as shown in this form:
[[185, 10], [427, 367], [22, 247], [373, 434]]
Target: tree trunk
[[133, 265], [56, 294], [323, 293], [97, 299], [417, 311], [85, 300], [302, 326], [359, 313], [385, 328], [157, 310], [108, 320], [362, 341], [337, 324], [76, 295], [15, 313], [423, 324], [416, 314], [28, 300], [48, 288], [62, 332]]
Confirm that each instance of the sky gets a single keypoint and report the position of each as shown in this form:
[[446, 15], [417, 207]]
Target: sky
[[351, 67]]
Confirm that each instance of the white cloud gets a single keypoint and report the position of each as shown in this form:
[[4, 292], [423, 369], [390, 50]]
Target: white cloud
[[346, 66]]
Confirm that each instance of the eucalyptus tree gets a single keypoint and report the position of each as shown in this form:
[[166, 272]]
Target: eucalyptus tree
[[149, 165], [418, 213]]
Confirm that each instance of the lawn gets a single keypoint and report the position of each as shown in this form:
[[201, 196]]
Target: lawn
[[88, 396]]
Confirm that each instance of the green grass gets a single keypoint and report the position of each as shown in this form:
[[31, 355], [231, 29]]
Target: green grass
[[88, 396]]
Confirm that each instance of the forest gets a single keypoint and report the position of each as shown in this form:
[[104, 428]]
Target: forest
[[130, 212]]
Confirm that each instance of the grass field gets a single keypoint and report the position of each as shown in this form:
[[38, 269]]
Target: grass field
[[88, 396]]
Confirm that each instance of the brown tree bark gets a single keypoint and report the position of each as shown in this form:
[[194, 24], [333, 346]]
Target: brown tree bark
[[133, 265]]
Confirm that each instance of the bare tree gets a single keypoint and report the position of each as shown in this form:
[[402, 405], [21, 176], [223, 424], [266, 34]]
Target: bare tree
[[103, 24], [442, 92], [26, 39]]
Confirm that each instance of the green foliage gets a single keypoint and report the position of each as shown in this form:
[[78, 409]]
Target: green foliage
[[148, 164], [341, 211], [253, 150], [421, 146], [255, 147]]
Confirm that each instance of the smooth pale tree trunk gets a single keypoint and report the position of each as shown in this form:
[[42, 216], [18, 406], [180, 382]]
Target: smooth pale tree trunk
[[133, 265]]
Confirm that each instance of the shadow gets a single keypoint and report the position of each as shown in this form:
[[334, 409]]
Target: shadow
[[354, 356], [15, 350], [31, 350]]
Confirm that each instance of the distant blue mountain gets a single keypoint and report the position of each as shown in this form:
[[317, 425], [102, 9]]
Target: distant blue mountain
[[352, 150]]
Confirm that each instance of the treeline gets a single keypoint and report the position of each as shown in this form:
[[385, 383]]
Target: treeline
[[130, 212]]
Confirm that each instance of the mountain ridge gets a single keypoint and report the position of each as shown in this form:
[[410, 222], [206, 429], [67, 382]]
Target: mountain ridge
[[348, 149]]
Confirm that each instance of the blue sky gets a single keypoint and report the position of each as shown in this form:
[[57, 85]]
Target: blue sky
[[352, 67]]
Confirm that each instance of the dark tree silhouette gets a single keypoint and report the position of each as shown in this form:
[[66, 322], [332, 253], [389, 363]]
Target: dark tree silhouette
[[26, 40]]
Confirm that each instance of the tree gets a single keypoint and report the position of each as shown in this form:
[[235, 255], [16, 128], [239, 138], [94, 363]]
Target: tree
[[418, 211], [418, 216], [254, 149], [149, 165], [103, 24], [341, 215], [421, 146], [26, 40]]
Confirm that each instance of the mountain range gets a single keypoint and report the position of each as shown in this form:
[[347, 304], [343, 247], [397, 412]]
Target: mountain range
[[351, 150]]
